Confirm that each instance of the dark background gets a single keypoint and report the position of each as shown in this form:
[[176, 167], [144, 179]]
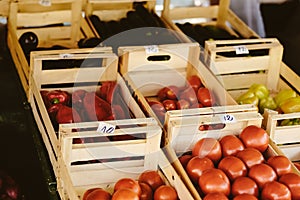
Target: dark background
[[283, 22]]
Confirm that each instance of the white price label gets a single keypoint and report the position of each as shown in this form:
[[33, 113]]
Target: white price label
[[104, 127], [227, 118], [66, 55], [45, 2], [151, 49], [241, 50]]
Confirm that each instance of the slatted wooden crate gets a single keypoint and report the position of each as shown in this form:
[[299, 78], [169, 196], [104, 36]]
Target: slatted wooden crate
[[53, 22], [147, 76], [120, 159], [115, 11], [286, 137], [96, 66], [183, 143], [238, 72], [217, 15]]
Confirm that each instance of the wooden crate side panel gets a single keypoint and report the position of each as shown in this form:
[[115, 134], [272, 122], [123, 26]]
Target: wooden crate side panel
[[237, 65], [269, 64], [4, 7], [183, 132], [282, 134], [236, 83], [19, 60], [46, 129], [291, 151], [32, 15]]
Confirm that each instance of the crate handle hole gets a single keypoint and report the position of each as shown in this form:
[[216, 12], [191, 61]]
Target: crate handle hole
[[208, 127], [159, 58]]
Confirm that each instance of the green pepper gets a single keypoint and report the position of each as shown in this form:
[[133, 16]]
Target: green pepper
[[259, 90], [284, 95], [250, 100], [245, 95], [290, 122], [267, 102], [291, 105]]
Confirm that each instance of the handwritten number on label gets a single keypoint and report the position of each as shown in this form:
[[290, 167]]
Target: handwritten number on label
[[106, 128], [151, 49], [66, 55], [227, 118], [45, 2], [241, 50]]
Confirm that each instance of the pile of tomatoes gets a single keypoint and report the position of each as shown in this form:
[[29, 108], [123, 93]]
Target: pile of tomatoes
[[238, 167], [149, 186], [192, 95]]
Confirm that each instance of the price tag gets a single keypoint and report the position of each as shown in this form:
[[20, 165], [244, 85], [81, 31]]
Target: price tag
[[106, 128], [151, 49], [227, 118], [45, 2], [241, 50], [66, 55]]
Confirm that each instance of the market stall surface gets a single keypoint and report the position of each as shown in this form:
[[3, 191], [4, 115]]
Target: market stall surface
[[22, 153]]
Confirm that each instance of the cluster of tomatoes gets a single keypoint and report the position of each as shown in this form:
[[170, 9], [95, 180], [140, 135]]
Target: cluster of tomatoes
[[193, 95], [237, 167], [149, 186]]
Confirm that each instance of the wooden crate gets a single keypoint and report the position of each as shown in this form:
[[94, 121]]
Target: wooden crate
[[219, 15], [183, 143], [286, 137], [60, 23], [116, 10], [99, 65], [239, 71], [147, 77], [122, 159]]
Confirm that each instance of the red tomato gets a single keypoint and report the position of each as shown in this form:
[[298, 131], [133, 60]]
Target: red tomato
[[205, 97], [281, 164], [157, 106], [292, 181], [184, 159], [244, 185], [125, 194], [196, 166], [231, 145], [128, 183], [256, 137], [195, 82], [209, 147], [245, 197], [165, 192], [189, 95], [274, 190], [215, 196], [172, 92], [233, 167], [182, 104], [98, 194], [262, 174], [170, 104], [152, 178], [250, 157], [214, 180], [87, 192], [147, 193], [162, 93]]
